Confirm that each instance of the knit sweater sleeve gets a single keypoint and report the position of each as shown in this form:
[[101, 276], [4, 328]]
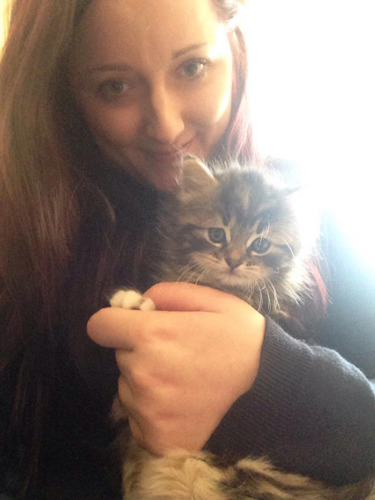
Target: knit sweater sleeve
[[309, 411]]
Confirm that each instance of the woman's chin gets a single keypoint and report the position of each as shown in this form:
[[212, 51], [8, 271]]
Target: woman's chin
[[166, 179]]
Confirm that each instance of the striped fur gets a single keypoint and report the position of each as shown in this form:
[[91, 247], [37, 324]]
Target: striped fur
[[196, 476], [242, 207]]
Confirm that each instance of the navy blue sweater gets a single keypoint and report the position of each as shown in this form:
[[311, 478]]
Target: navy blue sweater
[[311, 409]]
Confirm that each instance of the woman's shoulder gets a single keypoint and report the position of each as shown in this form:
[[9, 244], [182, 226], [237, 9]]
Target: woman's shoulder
[[349, 326]]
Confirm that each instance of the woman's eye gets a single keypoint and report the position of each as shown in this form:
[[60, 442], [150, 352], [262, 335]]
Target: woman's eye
[[217, 235], [260, 245], [113, 89], [193, 69]]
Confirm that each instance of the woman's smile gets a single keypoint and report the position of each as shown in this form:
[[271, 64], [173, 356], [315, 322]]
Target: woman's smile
[[150, 95], [170, 154]]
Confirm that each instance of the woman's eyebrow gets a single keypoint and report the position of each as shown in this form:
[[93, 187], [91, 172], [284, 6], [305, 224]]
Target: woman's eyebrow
[[127, 67], [109, 67], [189, 48]]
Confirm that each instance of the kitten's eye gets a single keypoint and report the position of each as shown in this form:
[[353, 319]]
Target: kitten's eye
[[217, 235], [260, 245]]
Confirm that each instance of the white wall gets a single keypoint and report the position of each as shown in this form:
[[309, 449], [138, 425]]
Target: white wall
[[313, 91]]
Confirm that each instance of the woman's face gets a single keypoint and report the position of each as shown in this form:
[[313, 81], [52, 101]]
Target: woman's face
[[153, 79]]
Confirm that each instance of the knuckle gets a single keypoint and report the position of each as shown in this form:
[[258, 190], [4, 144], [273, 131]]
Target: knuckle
[[147, 416], [138, 435], [139, 379], [152, 335], [143, 332], [123, 392], [121, 357], [118, 412]]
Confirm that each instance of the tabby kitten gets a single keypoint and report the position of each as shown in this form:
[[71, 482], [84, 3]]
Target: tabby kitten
[[239, 231]]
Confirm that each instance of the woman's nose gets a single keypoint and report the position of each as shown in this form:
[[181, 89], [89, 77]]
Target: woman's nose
[[164, 120]]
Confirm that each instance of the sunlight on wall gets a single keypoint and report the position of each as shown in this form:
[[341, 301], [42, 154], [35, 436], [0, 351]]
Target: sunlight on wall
[[1, 30], [313, 99], [3, 17]]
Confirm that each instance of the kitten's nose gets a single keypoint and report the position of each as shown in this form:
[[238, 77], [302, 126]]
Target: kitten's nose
[[233, 261]]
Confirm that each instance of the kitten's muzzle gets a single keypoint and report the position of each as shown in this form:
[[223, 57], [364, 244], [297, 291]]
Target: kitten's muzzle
[[233, 261]]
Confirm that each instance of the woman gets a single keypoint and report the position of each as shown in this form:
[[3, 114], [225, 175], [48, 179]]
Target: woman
[[100, 98]]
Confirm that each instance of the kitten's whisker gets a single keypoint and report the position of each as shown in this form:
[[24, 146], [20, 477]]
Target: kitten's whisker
[[191, 272], [289, 248], [267, 295], [200, 277], [266, 232], [260, 302], [274, 305], [250, 287], [248, 297], [273, 297], [188, 270]]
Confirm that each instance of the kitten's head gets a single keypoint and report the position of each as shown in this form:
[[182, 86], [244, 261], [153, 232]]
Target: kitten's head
[[238, 230]]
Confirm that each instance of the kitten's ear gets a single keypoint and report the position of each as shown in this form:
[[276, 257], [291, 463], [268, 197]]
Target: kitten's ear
[[195, 176], [290, 191]]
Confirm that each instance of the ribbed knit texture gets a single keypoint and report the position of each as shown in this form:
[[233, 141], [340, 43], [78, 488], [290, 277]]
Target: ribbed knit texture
[[302, 413]]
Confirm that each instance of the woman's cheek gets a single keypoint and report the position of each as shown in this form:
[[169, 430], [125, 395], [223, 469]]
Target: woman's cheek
[[215, 100], [117, 126]]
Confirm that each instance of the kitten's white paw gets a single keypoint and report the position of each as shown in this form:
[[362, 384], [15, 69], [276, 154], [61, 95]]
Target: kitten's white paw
[[131, 299]]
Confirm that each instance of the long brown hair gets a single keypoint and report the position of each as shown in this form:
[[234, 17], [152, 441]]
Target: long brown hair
[[238, 142], [38, 210], [41, 209], [47, 200], [61, 241]]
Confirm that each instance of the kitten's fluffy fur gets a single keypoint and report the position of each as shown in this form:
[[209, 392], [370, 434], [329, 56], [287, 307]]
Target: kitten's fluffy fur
[[238, 231]]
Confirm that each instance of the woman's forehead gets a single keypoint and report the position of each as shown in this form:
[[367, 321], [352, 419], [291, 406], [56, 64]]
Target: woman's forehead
[[138, 28]]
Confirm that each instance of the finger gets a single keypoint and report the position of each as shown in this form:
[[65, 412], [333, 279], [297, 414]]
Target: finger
[[115, 327], [123, 361], [128, 330], [136, 431], [126, 402], [125, 406], [125, 394], [179, 296]]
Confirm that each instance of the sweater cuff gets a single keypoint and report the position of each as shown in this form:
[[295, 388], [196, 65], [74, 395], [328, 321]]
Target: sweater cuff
[[261, 418]]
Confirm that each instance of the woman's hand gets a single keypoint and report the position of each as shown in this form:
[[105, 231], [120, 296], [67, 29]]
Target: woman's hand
[[182, 366]]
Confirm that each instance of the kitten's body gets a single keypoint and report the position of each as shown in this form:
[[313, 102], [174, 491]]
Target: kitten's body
[[239, 232]]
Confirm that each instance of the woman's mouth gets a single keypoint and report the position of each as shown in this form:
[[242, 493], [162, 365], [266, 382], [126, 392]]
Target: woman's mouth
[[168, 155]]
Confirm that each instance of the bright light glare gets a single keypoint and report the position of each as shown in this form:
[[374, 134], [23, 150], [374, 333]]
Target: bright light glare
[[313, 100], [3, 20]]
